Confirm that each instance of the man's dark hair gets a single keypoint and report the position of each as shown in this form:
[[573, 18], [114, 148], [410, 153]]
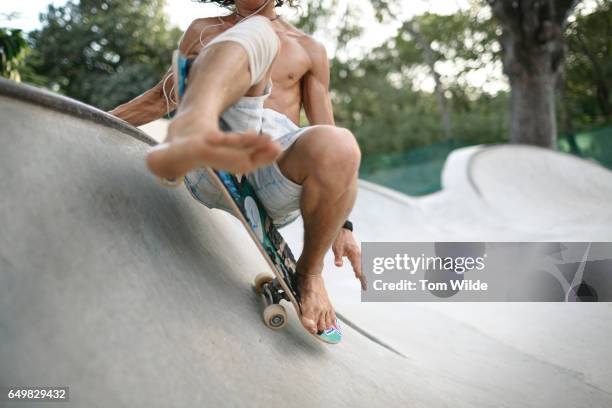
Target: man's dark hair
[[229, 3]]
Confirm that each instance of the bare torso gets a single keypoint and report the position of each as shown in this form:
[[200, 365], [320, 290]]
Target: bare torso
[[290, 67], [300, 76]]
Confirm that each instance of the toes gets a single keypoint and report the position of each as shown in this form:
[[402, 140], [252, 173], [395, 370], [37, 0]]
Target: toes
[[321, 325], [309, 324], [328, 320]]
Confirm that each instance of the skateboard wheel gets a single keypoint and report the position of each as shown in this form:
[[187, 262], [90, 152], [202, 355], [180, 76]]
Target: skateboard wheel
[[171, 183], [275, 317], [261, 280]]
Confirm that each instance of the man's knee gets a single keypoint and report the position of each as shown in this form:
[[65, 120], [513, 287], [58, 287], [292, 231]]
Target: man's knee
[[343, 149], [336, 151], [327, 154]]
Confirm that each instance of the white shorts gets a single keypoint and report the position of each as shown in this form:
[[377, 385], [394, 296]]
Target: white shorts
[[279, 195]]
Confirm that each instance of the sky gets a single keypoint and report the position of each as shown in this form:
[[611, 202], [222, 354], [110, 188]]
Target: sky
[[182, 12]]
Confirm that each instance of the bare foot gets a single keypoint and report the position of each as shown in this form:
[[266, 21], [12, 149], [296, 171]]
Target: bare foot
[[317, 311], [195, 143]]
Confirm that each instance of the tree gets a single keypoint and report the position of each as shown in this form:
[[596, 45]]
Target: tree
[[587, 87], [103, 52], [412, 28], [533, 44], [428, 54], [313, 15], [13, 49], [378, 94]]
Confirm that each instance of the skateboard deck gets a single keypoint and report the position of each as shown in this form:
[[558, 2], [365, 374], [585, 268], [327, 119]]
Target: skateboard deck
[[246, 207]]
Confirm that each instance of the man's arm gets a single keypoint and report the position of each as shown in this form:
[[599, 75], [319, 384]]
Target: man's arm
[[315, 86], [149, 106], [159, 100]]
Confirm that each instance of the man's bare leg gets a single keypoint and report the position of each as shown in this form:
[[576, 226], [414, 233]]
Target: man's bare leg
[[325, 161], [219, 77]]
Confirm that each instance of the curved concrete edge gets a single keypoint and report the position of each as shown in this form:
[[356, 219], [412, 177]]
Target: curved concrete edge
[[386, 192], [524, 191], [462, 171], [535, 186], [63, 104], [456, 174], [508, 160]]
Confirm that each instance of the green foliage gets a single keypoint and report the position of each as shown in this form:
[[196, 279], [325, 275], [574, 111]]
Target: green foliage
[[595, 145], [103, 52], [316, 17], [13, 50], [375, 95], [589, 67], [383, 116], [313, 15]]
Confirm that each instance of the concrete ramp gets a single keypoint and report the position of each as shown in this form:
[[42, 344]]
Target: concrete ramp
[[137, 296], [533, 187]]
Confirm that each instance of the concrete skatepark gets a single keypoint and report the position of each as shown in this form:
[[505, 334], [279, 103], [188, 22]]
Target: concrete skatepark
[[134, 295]]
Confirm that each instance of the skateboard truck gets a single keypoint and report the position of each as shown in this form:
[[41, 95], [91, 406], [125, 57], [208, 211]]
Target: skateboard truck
[[274, 314]]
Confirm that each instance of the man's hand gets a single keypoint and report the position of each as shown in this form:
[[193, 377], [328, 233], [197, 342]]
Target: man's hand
[[346, 246]]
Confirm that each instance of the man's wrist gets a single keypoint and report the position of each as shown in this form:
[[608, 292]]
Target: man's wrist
[[348, 225]]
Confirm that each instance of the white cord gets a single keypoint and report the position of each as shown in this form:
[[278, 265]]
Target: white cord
[[169, 98], [211, 26]]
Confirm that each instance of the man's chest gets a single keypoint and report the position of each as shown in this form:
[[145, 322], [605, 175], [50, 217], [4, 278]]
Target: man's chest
[[291, 64]]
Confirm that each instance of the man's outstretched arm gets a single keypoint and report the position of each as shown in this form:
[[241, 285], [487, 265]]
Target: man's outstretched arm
[[159, 100], [150, 106]]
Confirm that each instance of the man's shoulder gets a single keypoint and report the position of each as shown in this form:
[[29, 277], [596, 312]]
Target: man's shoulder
[[193, 35], [315, 49], [312, 46], [199, 24]]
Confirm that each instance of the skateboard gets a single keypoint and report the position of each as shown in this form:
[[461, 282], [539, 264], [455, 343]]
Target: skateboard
[[247, 208]]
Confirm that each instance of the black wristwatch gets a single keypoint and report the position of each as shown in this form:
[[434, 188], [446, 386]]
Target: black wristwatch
[[348, 225]]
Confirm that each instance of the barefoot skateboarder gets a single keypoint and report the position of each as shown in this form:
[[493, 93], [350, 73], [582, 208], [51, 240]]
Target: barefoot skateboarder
[[255, 72]]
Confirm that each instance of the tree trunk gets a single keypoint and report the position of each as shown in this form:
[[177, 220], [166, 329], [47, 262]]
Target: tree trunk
[[534, 50], [533, 110]]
